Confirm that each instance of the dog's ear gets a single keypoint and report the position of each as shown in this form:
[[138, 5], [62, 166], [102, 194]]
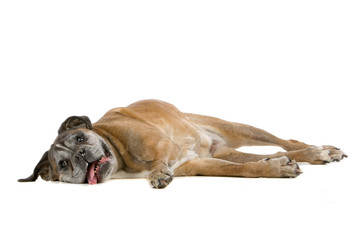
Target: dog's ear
[[75, 122], [42, 169]]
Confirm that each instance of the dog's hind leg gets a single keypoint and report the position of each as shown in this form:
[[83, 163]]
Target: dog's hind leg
[[312, 154], [237, 135], [273, 168]]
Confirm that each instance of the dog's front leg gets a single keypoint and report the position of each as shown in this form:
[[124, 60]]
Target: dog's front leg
[[161, 176]]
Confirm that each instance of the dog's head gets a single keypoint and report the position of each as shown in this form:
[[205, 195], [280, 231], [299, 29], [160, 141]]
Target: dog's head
[[78, 155]]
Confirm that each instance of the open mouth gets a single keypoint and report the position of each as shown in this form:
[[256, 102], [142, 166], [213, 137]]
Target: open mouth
[[93, 171]]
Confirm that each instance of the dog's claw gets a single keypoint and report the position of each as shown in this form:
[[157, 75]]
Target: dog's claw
[[292, 162]]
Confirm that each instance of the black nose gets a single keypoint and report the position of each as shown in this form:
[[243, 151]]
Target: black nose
[[86, 156], [82, 153]]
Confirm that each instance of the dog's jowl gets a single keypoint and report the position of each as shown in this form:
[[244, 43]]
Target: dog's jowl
[[153, 139]]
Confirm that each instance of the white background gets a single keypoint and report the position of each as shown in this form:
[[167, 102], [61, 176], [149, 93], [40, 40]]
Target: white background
[[289, 67]]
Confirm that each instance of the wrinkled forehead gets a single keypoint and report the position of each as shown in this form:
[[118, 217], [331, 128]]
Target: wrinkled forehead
[[67, 142], [60, 151], [64, 145]]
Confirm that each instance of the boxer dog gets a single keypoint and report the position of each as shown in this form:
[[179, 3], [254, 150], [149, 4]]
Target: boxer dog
[[154, 140]]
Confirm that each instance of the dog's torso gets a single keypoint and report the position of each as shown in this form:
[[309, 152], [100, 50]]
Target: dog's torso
[[150, 131]]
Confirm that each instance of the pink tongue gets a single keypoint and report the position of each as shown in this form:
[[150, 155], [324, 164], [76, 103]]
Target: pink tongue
[[91, 177]]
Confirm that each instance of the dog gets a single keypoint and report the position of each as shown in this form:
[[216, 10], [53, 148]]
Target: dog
[[152, 139]]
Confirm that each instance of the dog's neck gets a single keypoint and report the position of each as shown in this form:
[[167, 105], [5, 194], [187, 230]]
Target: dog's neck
[[117, 148]]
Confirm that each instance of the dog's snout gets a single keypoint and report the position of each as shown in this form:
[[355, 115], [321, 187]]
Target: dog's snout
[[85, 155]]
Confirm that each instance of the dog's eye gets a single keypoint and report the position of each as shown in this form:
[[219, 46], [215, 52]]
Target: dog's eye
[[63, 163], [80, 139]]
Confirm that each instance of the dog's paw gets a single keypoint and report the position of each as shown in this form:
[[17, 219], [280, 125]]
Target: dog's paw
[[325, 154], [160, 178], [335, 154], [282, 167]]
